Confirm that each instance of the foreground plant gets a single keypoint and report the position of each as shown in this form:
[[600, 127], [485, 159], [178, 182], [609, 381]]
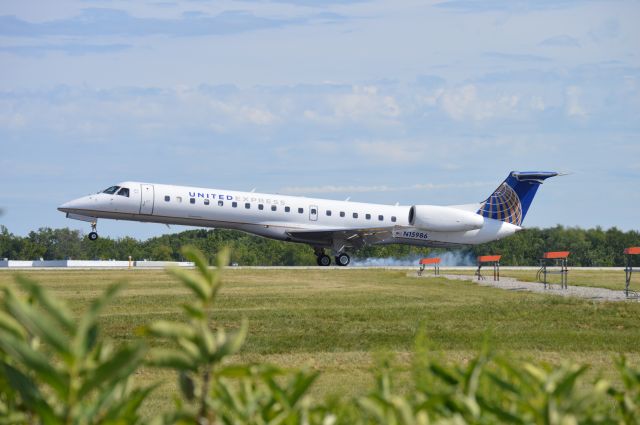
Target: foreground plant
[[265, 394], [492, 389], [56, 369], [197, 350], [627, 397], [212, 390]]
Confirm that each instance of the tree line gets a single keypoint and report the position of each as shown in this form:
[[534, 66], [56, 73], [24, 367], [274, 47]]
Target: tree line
[[589, 247]]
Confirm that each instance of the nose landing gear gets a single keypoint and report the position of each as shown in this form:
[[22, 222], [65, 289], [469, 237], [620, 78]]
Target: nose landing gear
[[94, 234]]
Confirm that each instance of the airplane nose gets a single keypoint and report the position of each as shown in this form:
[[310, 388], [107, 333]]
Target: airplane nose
[[64, 207], [73, 205]]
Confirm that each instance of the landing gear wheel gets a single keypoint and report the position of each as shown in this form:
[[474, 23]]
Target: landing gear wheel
[[324, 260], [94, 231], [343, 260]]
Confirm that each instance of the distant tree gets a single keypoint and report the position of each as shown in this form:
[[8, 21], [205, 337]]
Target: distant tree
[[31, 250], [10, 245], [127, 246], [101, 249], [162, 252]]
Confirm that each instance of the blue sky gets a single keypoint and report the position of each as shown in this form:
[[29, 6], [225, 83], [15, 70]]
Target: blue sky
[[384, 101]]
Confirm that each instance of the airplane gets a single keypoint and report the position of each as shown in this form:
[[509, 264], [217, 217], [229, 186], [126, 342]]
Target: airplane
[[323, 224]]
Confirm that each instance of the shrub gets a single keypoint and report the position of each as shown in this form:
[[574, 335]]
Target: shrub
[[56, 369]]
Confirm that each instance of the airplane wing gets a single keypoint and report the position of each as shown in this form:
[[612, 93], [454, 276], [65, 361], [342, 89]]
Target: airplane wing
[[355, 238]]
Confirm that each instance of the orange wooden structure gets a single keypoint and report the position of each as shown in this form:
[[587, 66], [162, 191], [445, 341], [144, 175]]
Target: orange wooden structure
[[435, 262], [494, 260], [488, 258], [628, 270], [555, 255], [554, 259]]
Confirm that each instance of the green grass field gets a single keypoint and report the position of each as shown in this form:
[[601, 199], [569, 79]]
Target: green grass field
[[334, 321]]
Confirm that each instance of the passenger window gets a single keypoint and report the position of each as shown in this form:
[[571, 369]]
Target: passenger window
[[367, 216], [300, 210], [124, 192], [313, 211], [273, 208], [167, 198], [380, 217], [247, 205], [179, 199], [111, 190], [341, 213], [206, 202], [393, 218], [328, 213], [234, 204], [355, 215], [260, 207], [192, 200], [220, 203], [287, 209]]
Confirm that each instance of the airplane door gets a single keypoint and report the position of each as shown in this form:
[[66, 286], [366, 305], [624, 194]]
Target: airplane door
[[146, 201], [313, 213]]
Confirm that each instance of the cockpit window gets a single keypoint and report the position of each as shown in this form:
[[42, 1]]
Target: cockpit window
[[111, 190], [124, 192]]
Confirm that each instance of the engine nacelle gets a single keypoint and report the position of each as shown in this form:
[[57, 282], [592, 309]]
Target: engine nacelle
[[443, 219]]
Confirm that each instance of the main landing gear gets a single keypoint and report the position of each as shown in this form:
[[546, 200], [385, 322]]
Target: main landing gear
[[324, 260], [94, 234], [343, 259]]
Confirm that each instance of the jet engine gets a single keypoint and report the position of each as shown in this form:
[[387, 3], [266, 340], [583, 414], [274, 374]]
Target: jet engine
[[443, 219]]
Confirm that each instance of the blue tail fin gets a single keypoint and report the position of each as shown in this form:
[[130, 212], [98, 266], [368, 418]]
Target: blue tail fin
[[512, 199]]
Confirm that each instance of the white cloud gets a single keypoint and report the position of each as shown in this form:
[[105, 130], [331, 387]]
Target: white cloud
[[459, 103], [390, 151], [363, 104], [574, 107], [536, 103], [12, 121], [432, 99], [464, 103], [243, 113], [101, 21], [258, 116], [365, 101], [560, 41]]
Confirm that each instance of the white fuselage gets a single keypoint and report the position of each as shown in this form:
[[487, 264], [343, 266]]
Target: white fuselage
[[328, 223]]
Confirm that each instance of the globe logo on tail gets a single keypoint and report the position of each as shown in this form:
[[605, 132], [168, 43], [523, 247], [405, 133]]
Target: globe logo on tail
[[503, 205]]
